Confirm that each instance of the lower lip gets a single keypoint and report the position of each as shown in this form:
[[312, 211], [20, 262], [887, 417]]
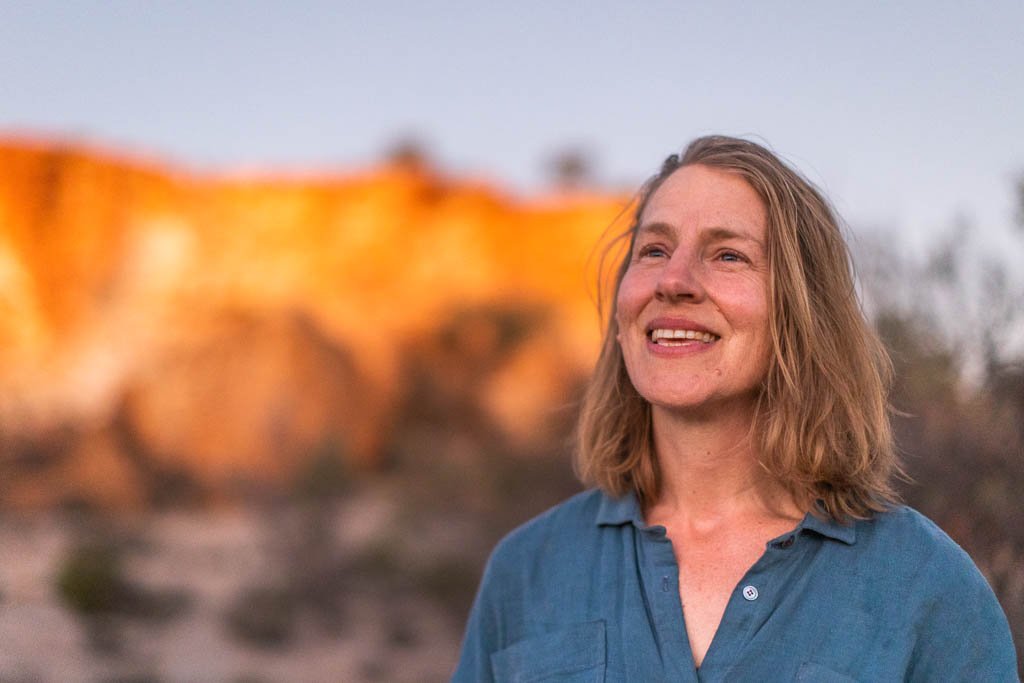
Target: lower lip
[[687, 348]]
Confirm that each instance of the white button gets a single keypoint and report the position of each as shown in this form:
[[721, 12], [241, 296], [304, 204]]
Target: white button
[[750, 593]]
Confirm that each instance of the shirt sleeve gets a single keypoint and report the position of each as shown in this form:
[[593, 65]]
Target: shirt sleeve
[[482, 634], [963, 634]]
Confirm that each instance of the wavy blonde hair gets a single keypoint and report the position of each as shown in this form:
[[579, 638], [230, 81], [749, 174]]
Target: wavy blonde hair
[[823, 416]]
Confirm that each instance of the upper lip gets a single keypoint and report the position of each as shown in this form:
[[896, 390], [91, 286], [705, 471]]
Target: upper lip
[[677, 324]]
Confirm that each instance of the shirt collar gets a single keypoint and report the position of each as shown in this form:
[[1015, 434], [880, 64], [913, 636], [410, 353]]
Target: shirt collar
[[626, 509], [826, 526], [617, 511]]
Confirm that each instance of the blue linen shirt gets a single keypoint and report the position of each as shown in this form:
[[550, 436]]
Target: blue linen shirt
[[589, 592]]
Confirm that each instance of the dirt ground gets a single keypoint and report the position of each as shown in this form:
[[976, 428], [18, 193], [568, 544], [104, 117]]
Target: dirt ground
[[378, 630]]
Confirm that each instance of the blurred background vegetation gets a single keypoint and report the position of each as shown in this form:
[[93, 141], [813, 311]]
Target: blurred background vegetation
[[269, 430]]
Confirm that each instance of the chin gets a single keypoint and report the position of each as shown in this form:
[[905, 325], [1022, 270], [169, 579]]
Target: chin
[[705, 404]]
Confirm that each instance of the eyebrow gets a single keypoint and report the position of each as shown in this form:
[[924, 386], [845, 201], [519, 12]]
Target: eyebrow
[[710, 234], [656, 228], [729, 234]]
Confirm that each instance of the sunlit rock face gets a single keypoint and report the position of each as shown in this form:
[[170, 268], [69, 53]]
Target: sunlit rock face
[[160, 326]]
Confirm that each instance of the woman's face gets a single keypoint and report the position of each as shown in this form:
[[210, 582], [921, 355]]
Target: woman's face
[[692, 308]]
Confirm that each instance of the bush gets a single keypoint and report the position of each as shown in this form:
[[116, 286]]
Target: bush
[[90, 580]]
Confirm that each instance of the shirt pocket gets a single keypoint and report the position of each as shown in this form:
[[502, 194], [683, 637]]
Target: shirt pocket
[[568, 654], [811, 672]]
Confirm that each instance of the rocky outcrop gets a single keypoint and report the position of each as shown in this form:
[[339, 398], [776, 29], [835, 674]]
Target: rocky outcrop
[[218, 331]]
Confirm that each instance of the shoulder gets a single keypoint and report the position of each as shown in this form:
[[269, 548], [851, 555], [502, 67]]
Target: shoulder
[[534, 577], [908, 540], [959, 624], [566, 530], [921, 564], [905, 525], [536, 566]]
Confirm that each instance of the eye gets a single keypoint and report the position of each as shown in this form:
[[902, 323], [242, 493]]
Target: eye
[[730, 256], [651, 251]]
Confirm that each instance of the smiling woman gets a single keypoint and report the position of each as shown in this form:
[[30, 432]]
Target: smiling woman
[[698, 266], [737, 430]]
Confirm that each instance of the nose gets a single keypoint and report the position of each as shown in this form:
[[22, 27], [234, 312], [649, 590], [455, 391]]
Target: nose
[[679, 280]]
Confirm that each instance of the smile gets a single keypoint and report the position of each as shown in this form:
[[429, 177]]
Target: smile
[[665, 337]]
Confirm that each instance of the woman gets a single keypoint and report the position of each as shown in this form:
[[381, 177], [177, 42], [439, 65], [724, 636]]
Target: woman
[[743, 527]]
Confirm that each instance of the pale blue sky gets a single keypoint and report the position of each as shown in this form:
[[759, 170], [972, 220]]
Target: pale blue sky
[[908, 113]]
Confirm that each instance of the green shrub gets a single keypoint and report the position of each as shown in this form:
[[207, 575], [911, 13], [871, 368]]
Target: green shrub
[[90, 580]]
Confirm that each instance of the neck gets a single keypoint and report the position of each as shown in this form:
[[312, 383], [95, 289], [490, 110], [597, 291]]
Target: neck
[[710, 470]]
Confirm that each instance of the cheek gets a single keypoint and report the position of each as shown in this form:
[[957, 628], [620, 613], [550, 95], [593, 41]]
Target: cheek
[[628, 307], [622, 312], [749, 301], [621, 333], [762, 337], [629, 300]]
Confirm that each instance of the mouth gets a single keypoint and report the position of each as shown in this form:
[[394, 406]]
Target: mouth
[[666, 337]]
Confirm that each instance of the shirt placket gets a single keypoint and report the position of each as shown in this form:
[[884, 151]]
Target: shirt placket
[[750, 605], [661, 586]]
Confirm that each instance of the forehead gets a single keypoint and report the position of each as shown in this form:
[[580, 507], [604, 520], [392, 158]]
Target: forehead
[[698, 196]]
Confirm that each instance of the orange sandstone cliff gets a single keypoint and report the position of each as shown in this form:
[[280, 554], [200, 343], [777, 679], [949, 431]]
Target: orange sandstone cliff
[[160, 327]]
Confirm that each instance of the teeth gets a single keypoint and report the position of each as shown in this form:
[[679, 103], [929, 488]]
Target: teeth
[[669, 337]]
